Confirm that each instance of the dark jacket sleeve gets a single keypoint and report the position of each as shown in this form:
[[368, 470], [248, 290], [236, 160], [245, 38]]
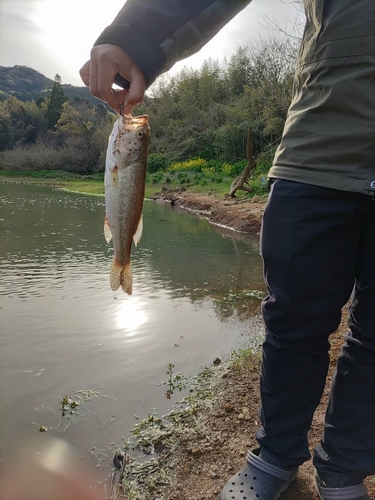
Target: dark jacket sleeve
[[158, 33]]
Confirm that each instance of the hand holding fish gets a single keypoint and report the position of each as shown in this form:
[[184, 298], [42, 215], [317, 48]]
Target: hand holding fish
[[99, 75]]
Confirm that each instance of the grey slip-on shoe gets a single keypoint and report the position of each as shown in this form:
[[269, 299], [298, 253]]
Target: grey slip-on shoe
[[257, 480]]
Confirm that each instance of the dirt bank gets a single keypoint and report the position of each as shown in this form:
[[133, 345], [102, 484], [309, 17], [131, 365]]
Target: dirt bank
[[242, 215]]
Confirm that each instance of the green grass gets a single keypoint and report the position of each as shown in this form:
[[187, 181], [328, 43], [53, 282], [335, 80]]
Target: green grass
[[88, 184], [40, 174], [82, 186], [245, 358], [196, 182]]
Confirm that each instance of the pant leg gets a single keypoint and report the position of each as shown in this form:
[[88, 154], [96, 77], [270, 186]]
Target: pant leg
[[309, 242], [348, 445]]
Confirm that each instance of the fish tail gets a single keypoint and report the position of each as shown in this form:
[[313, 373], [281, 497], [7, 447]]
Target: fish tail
[[121, 276]]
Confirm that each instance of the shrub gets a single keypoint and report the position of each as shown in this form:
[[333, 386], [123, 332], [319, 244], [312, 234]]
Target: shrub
[[208, 171], [259, 186], [195, 165], [238, 167], [156, 162], [226, 169]]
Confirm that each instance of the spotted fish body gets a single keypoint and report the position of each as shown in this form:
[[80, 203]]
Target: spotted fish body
[[124, 182]]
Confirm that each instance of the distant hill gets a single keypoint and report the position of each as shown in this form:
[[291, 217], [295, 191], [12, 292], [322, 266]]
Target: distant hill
[[28, 84]]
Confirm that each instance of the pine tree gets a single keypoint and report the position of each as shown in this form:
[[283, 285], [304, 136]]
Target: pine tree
[[56, 101]]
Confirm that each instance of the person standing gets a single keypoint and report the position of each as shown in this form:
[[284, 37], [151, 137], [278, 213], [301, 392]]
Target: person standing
[[318, 230]]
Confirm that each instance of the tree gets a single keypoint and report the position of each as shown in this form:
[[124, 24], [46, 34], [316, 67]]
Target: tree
[[84, 130], [55, 104], [241, 182]]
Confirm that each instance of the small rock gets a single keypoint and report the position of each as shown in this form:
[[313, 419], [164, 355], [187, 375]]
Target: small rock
[[216, 361], [241, 416], [242, 453], [42, 429], [196, 451], [228, 407], [255, 199]]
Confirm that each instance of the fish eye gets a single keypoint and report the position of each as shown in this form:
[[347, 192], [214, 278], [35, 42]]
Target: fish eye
[[140, 134]]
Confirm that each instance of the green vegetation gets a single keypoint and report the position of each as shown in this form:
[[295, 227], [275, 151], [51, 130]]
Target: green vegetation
[[93, 184], [55, 103], [140, 479], [245, 358], [174, 382], [199, 121]]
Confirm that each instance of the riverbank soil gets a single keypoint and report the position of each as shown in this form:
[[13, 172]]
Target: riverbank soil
[[227, 432], [240, 214]]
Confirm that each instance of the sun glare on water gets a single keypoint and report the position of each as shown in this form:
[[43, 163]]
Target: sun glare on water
[[130, 315]]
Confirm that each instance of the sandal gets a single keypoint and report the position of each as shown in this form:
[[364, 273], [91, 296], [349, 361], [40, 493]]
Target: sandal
[[257, 480], [356, 492]]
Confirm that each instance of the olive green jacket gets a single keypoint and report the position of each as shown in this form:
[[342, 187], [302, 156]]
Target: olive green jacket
[[329, 134]]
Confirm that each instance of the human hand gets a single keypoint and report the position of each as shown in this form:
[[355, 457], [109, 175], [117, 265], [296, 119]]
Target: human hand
[[99, 73]]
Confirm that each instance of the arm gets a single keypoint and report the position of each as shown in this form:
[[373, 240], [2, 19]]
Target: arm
[[146, 38]]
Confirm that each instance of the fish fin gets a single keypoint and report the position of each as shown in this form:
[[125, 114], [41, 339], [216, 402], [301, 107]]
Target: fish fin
[[107, 230], [121, 276], [138, 234]]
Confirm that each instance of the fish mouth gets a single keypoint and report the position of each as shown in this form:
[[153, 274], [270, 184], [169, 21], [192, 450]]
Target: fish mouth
[[135, 120]]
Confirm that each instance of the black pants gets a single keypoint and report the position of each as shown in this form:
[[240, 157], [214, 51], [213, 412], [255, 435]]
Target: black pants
[[317, 244]]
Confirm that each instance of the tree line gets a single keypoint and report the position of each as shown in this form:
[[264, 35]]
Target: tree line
[[204, 113]]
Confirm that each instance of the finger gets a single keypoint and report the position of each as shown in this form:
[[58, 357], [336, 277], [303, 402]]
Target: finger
[[106, 73], [101, 82], [120, 95], [109, 95], [93, 79], [85, 73], [136, 92]]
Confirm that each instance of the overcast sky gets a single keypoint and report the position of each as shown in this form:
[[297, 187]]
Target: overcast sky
[[55, 36]]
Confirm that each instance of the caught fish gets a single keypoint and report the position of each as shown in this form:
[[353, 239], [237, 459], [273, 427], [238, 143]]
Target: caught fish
[[124, 182]]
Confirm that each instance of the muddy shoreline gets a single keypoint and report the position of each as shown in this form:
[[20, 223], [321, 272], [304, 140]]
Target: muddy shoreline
[[243, 215]]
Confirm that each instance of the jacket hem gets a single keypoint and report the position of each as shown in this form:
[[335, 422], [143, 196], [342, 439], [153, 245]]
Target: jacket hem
[[323, 179]]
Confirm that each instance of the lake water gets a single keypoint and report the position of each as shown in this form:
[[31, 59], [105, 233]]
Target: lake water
[[64, 332]]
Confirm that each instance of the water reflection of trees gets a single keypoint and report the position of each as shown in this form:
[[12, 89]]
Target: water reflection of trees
[[60, 234]]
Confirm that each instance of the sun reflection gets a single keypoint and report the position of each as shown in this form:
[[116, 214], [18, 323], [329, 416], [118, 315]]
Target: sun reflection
[[131, 314]]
